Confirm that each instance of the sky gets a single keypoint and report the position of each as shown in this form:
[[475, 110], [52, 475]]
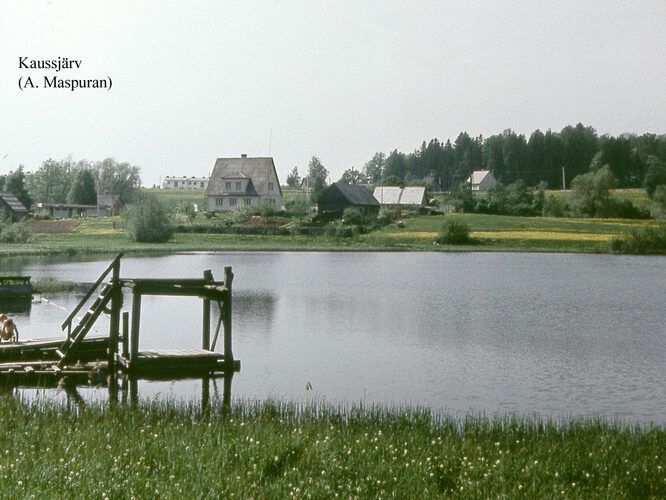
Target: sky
[[194, 81]]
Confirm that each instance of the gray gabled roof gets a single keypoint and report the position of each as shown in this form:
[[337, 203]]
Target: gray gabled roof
[[107, 200], [388, 195], [256, 169], [13, 203], [356, 195], [394, 195]]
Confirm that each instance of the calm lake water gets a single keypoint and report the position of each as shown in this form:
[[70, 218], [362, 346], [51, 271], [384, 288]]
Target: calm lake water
[[554, 335]]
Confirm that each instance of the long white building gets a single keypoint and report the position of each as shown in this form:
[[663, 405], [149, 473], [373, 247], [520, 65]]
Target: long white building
[[185, 182]]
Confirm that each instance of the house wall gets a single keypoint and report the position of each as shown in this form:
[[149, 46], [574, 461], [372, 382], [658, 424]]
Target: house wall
[[223, 203], [185, 183]]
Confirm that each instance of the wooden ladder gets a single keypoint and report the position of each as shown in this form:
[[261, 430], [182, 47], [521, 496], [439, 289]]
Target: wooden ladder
[[68, 347]]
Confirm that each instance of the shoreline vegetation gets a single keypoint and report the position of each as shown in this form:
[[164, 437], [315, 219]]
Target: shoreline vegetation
[[288, 231], [278, 450]]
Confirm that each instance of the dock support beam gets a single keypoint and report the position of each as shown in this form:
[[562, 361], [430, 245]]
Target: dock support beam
[[114, 323], [136, 317], [228, 354], [205, 334]]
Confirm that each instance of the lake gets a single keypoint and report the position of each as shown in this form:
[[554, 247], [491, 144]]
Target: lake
[[554, 335]]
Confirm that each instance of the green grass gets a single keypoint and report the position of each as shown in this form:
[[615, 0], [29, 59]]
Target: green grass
[[273, 450], [490, 232], [50, 285], [174, 198]]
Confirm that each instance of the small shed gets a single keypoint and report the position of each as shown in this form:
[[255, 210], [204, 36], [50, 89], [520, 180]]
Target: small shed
[[340, 196], [13, 209], [481, 180], [109, 204]]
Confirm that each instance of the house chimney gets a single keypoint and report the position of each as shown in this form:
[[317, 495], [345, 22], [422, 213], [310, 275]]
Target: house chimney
[[244, 155]]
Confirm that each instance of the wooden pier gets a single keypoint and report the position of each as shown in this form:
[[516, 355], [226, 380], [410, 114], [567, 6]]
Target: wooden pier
[[81, 357]]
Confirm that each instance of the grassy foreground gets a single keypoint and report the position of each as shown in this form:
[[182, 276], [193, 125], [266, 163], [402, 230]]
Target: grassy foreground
[[275, 451]]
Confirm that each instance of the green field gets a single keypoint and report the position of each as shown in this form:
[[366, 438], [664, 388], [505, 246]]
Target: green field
[[489, 232], [272, 450]]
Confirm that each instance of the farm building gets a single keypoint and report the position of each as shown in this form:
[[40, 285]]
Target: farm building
[[109, 204], [414, 196], [243, 182], [185, 182], [481, 180], [340, 196], [67, 210], [13, 209]]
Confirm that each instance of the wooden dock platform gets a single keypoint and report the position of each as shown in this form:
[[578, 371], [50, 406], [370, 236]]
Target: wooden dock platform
[[81, 356]]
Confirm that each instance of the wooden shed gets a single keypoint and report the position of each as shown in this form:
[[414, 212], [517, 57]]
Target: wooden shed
[[11, 207], [340, 196]]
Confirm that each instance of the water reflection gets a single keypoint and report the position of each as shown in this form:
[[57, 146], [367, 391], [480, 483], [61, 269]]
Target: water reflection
[[119, 388]]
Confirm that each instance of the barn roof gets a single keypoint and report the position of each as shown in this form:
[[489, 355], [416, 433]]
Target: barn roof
[[356, 195], [13, 203], [107, 200], [256, 169], [394, 195], [388, 195]]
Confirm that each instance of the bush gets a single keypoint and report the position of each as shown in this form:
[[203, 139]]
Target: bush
[[643, 241], [266, 209], [454, 233], [297, 207], [240, 214], [352, 217], [149, 221], [14, 233]]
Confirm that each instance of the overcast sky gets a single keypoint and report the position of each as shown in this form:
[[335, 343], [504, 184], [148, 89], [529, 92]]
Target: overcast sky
[[193, 81]]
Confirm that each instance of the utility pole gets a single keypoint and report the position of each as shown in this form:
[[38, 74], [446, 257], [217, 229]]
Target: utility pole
[[564, 182]]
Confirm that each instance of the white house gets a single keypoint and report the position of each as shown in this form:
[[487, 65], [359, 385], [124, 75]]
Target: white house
[[481, 180], [243, 181], [394, 195], [185, 182]]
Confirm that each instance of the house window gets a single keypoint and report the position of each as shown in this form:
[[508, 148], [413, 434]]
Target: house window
[[227, 186], [232, 201], [270, 186], [219, 201], [202, 184], [248, 201], [175, 183], [238, 186]]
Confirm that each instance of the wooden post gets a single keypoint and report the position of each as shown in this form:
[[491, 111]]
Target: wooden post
[[114, 323], [205, 335], [228, 354], [205, 392], [226, 392], [125, 334], [136, 316]]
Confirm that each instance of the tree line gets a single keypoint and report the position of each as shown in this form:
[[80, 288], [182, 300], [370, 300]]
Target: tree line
[[68, 181], [539, 159]]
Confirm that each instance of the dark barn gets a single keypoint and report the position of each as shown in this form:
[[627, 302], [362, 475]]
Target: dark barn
[[339, 196]]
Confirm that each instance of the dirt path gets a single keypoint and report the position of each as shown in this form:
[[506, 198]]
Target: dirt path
[[54, 226]]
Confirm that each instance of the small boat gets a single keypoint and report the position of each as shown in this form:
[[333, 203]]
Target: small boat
[[15, 288]]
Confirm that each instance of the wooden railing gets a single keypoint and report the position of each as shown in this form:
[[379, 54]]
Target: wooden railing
[[115, 265]]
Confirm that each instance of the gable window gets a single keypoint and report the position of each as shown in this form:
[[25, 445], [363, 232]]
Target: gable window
[[232, 201], [248, 201], [238, 185], [270, 186], [227, 186]]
